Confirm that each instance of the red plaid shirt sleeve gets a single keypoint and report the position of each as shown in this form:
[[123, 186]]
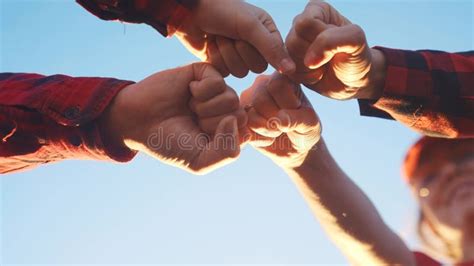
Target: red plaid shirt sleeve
[[431, 92], [164, 15], [424, 260], [48, 119]]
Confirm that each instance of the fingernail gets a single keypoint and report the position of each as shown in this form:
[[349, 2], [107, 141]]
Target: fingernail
[[310, 60], [287, 66]]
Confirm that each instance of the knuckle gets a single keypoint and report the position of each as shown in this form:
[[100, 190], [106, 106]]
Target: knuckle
[[220, 67], [323, 39], [324, 5], [231, 152], [304, 24], [218, 83], [232, 100], [297, 19], [199, 67], [359, 34]]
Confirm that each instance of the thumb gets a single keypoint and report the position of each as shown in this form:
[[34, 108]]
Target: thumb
[[223, 149], [302, 126], [247, 96], [202, 71], [265, 37], [301, 120], [349, 39]]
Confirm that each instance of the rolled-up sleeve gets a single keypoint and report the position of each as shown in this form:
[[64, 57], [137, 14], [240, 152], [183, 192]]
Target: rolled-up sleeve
[[166, 16], [45, 119], [431, 92]]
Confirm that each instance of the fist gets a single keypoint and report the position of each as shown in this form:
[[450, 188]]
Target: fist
[[332, 55], [282, 123], [234, 36], [187, 117]]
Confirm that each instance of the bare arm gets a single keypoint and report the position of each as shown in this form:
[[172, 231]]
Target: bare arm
[[294, 144], [346, 213]]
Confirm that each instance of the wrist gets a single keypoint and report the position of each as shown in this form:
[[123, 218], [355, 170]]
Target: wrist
[[313, 158], [377, 75], [112, 121]]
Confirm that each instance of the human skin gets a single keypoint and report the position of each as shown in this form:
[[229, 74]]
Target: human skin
[[295, 144], [187, 117], [281, 120], [236, 37], [446, 198], [332, 55]]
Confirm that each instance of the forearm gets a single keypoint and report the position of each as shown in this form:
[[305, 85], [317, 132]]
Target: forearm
[[345, 212]]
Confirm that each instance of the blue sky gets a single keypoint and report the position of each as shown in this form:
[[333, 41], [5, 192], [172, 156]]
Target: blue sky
[[79, 212]]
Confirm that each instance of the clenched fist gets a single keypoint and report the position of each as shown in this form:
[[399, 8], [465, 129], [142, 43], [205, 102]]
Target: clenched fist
[[187, 117], [281, 120], [236, 37], [332, 55]]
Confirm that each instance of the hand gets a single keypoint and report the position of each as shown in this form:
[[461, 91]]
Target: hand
[[282, 122], [332, 55], [187, 117], [235, 37]]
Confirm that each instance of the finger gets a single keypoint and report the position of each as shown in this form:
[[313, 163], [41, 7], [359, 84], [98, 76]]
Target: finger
[[348, 39], [309, 78], [324, 12], [297, 47], [285, 93], [208, 88], [264, 104], [259, 141], [216, 59], [332, 87], [232, 59], [262, 126], [302, 127], [202, 71], [307, 26], [209, 125], [263, 34], [252, 58], [301, 120], [224, 103], [247, 96], [223, 149]]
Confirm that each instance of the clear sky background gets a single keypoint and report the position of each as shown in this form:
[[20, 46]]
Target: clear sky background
[[246, 213]]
